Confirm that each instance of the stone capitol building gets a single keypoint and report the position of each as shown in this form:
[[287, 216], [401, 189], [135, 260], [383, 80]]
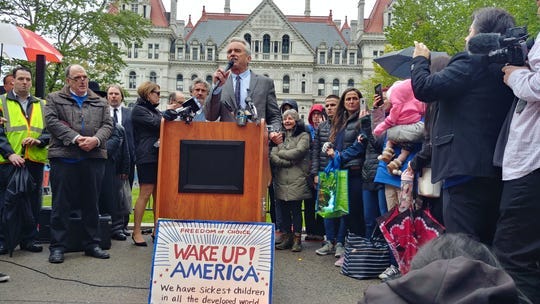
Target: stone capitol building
[[308, 57]]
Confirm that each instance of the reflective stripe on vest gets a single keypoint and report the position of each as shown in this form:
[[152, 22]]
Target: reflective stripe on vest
[[18, 128]]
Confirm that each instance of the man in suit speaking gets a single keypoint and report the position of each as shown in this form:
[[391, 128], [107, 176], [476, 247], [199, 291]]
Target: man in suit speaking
[[234, 88]]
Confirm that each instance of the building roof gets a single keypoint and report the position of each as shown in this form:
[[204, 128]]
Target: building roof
[[314, 29], [375, 22], [158, 14], [214, 26]]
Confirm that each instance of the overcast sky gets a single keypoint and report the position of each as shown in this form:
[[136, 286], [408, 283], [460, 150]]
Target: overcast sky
[[340, 8]]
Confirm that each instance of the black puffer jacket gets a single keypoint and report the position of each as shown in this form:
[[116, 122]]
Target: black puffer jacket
[[373, 149], [146, 124], [319, 160]]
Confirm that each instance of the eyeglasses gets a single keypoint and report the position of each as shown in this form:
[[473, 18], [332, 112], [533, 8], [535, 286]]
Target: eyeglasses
[[79, 78], [156, 92]]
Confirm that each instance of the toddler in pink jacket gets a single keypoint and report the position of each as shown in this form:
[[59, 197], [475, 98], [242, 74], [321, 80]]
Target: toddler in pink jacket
[[405, 110]]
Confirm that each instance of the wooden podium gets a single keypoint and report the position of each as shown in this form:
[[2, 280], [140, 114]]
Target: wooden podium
[[212, 171]]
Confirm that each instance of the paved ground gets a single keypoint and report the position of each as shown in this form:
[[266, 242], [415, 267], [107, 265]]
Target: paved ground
[[302, 278]]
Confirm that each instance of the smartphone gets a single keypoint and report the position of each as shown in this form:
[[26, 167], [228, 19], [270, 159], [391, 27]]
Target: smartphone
[[378, 91], [363, 106]]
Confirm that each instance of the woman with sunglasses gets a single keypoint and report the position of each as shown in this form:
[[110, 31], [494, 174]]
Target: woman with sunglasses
[[146, 120]]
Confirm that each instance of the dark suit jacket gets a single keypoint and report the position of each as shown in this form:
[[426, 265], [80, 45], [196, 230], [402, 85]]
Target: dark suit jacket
[[261, 91], [128, 126], [473, 103]]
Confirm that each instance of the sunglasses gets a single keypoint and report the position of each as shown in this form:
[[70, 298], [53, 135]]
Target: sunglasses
[[156, 92]]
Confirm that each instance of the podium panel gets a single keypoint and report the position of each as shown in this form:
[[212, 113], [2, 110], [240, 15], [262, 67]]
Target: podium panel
[[212, 171]]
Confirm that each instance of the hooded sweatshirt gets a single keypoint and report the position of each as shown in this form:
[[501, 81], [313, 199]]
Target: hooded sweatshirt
[[458, 281]]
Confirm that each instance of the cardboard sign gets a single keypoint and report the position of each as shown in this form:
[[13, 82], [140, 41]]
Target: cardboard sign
[[212, 262]]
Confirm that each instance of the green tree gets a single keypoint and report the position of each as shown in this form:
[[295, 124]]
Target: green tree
[[442, 25], [81, 31]]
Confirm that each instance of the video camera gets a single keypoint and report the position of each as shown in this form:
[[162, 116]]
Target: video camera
[[513, 47], [186, 113]]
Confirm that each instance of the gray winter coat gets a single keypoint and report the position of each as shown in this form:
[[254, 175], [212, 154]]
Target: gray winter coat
[[291, 162]]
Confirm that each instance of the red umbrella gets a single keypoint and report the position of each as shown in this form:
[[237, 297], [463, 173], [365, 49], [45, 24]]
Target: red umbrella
[[20, 43]]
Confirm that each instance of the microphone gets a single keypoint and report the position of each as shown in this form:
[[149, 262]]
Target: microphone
[[227, 68], [251, 108], [186, 112], [484, 43]]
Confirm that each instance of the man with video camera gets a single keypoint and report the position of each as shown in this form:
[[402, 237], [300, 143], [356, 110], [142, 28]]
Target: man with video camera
[[517, 238], [473, 102]]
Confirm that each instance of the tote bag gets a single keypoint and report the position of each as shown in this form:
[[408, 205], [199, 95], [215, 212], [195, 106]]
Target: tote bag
[[365, 258], [333, 194], [425, 187]]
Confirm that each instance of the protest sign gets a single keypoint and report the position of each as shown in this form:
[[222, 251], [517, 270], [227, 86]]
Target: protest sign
[[212, 262]]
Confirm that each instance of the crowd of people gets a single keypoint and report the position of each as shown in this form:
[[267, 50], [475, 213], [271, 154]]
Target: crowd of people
[[472, 121]]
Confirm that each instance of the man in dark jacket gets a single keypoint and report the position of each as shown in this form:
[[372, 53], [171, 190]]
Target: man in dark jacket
[[319, 160], [473, 102], [115, 97], [80, 124]]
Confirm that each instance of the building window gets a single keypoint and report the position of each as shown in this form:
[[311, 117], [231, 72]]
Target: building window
[[153, 51], [136, 48], [209, 78], [286, 84], [322, 58], [320, 88], [377, 53], [194, 53], [247, 37], [135, 8], [153, 77], [303, 86], [336, 57], [351, 58], [210, 54], [179, 53], [266, 43], [335, 87], [285, 47], [132, 80], [350, 83], [193, 77], [133, 51], [180, 82]]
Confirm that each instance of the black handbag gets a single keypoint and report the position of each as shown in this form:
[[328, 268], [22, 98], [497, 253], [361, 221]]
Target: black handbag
[[365, 258]]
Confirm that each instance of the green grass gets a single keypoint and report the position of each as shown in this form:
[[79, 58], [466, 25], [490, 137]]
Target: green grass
[[148, 216]]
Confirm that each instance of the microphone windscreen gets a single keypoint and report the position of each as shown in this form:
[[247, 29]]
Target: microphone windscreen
[[483, 43]]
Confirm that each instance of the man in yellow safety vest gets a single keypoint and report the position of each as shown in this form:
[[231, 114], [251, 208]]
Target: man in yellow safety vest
[[23, 143]]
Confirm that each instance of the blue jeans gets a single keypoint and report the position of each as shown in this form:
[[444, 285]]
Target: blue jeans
[[374, 206], [330, 229]]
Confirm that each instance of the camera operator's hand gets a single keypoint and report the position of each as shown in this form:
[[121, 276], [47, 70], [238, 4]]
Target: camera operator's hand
[[508, 69], [420, 49]]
